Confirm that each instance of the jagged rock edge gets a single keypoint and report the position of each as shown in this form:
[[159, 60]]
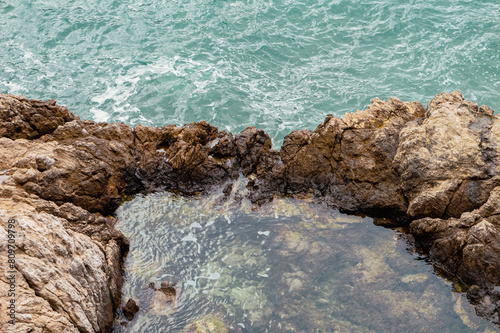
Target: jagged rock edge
[[135, 169]]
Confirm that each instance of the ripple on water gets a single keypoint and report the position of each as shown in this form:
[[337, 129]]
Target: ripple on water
[[292, 266], [279, 65]]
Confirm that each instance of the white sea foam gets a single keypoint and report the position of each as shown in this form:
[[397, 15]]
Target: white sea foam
[[99, 115]]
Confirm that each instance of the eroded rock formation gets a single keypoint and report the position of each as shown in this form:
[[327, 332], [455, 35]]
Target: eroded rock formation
[[60, 176]]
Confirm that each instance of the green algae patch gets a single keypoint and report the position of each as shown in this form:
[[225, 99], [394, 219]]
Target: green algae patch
[[210, 324], [127, 198]]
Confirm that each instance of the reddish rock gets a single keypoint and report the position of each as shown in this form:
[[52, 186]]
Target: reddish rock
[[350, 160], [21, 118]]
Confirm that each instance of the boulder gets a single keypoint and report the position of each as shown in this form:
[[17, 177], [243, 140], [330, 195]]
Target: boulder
[[130, 309]]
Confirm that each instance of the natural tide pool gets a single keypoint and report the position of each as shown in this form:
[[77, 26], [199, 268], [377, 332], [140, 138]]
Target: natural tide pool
[[290, 266]]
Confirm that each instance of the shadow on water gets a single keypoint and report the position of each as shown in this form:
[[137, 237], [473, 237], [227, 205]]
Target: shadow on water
[[291, 266]]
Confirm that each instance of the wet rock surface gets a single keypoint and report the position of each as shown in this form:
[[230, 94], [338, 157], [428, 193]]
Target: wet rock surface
[[437, 168]]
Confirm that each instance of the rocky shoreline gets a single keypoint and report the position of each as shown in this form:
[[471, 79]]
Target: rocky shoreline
[[435, 169]]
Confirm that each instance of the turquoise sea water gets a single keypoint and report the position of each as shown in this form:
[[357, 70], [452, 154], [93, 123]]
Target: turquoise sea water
[[275, 64]]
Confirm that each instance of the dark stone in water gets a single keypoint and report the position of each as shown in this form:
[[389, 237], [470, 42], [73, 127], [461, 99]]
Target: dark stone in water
[[166, 288], [476, 294], [487, 302], [130, 309]]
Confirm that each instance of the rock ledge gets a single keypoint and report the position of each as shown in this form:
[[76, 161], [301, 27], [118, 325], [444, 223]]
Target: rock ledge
[[436, 169]]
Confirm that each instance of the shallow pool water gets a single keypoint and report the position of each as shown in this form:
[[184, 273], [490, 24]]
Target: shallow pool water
[[290, 266]]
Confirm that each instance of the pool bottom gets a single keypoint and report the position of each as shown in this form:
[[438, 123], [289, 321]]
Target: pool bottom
[[291, 266]]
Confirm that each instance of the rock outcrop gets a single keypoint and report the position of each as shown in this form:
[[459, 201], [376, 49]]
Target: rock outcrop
[[60, 176], [68, 275]]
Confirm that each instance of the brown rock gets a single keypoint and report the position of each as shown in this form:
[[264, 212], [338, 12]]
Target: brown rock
[[64, 277], [350, 160], [447, 162], [251, 144], [438, 167], [130, 309], [29, 119]]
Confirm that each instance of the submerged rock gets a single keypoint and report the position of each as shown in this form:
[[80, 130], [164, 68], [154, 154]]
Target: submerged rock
[[206, 325], [130, 309], [437, 167], [164, 299]]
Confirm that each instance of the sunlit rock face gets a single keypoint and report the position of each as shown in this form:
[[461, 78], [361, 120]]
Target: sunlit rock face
[[349, 160], [67, 279], [425, 166], [448, 161]]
